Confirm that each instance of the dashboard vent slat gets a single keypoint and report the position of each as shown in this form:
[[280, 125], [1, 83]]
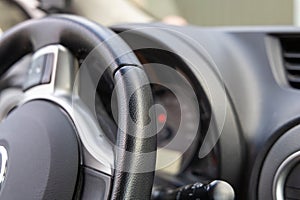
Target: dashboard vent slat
[[293, 78], [291, 59], [292, 55], [292, 66]]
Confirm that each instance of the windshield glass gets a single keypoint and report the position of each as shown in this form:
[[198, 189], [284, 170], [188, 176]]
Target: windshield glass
[[10, 15], [220, 13], [176, 12]]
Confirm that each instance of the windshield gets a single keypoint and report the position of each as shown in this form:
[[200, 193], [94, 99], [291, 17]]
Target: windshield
[[176, 12], [10, 15], [220, 12]]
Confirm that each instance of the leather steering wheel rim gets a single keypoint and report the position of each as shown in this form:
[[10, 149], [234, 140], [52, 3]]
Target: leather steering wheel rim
[[32, 35]]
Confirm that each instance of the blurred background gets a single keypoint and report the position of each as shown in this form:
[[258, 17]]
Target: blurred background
[[177, 12], [224, 12]]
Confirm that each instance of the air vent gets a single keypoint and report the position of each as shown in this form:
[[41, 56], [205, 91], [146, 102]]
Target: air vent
[[291, 58], [292, 184]]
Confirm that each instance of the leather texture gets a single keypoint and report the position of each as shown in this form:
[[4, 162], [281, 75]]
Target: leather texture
[[135, 163], [77, 34]]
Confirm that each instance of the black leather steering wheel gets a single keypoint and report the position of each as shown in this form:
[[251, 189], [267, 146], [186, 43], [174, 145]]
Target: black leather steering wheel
[[41, 154]]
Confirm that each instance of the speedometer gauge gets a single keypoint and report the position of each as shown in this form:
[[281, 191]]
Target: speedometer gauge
[[178, 117], [169, 118], [173, 141]]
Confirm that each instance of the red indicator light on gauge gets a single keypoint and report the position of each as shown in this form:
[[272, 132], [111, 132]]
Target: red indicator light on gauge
[[162, 118]]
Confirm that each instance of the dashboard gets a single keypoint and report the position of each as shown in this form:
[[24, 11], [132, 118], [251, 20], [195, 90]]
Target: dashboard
[[226, 103], [247, 86]]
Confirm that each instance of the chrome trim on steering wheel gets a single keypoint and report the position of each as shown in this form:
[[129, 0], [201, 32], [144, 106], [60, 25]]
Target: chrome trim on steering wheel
[[3, 165], [97, 152]]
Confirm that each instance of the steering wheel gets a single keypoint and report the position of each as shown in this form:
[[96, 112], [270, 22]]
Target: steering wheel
[[53, 149]]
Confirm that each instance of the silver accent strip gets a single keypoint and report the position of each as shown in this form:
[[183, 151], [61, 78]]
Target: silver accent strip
[[3, 169], [282, 173], [97, 151], [9, 98]]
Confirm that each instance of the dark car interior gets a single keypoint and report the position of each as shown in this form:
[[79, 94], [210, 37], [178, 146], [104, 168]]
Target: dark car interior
[[146, 110]]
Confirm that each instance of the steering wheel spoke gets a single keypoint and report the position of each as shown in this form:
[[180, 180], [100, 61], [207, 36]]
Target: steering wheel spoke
[[51, 77], [51, 72]]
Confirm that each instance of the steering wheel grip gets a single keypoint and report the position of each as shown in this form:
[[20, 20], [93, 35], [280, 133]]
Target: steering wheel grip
[[135, 163], [81, 37]]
